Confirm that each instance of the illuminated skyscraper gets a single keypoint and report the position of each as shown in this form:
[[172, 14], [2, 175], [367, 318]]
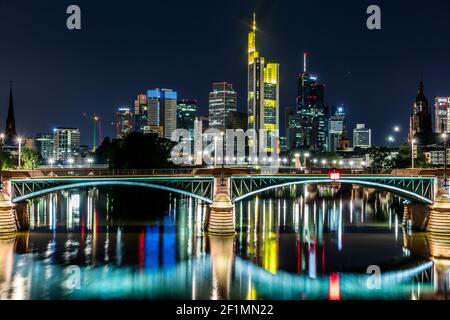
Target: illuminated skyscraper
[[362, 136], [66, 144], [186, 113], [312, 113], [124, 122], [441, 108], [263, 89], [222, 102], [271, 101], [162, 111], [336, 128], [44, 145], [141, 123]]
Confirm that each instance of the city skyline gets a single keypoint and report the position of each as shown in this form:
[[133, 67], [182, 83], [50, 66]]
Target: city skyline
[[354, 75]]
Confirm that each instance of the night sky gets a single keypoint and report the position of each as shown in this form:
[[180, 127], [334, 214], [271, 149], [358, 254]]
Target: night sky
[[126, 47]]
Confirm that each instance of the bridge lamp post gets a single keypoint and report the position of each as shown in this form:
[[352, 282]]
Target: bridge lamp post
[[70, 161], [315, 162], [324, 163], [306, 156], [19, 140], [351, 165], [444, 136], [413, 141], [51, 162], [90, 161], [216, 138]]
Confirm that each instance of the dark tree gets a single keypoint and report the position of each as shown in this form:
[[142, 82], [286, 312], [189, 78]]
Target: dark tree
[[136, 151]]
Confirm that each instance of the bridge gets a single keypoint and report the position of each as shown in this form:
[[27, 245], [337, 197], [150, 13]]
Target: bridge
[[219, 188]]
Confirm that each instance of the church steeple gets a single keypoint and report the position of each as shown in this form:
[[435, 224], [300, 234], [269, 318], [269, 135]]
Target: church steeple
[[10, 131]]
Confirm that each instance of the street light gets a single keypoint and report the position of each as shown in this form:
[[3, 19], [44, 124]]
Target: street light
[[397, 129], [71, 161], [51, 162], [306, 156], [19, 140], [412, 152], [444, 136]]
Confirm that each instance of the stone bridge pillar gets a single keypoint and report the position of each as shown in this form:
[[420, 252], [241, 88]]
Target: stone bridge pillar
[[220, 214], [7, 215], [13, 217], [440, 216]]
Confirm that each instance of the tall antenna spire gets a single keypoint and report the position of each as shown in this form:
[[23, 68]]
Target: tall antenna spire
[[305, 56], [254, 22]]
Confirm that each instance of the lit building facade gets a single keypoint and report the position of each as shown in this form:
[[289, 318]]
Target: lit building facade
[[441, 109], [44, 145], [336, 128], [312, 113], [186, 113], [222, 102], [162, 111], [263, 91], [141, 121], [124, 122], [66, 144], [362, 136]]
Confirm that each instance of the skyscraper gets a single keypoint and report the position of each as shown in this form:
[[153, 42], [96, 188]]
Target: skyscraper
[[186, 113], [420, 127], [44, 145], [312, 112], [141, 123], [222, 102], [162, 111], [362, 136], [124, 122], [441, 109], [10, 131], [66, 144], [263, 90], [336, 127], [271, 101]]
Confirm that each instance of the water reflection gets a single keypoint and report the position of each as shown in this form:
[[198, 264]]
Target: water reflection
[[304, 242]]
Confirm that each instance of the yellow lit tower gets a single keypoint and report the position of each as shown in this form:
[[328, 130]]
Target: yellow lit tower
[[255, 82], [263, 90]]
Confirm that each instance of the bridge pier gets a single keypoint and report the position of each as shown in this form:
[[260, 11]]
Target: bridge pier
[[23, 215], [219, 219], [440, 216], [7, 215], [416, 215]]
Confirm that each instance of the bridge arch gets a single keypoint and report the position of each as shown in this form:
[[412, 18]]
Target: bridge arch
[[406, 194], [107, 183]]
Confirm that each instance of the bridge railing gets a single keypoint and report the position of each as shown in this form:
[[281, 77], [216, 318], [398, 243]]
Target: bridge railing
[[68, 172]]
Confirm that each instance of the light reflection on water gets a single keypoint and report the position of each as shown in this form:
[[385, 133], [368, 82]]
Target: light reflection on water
[[297, 243]]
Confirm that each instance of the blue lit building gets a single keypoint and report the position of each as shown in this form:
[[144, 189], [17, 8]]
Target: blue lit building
[[162, 111]]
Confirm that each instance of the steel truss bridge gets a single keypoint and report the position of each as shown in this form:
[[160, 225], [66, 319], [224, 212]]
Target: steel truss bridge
[[241, 186]]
